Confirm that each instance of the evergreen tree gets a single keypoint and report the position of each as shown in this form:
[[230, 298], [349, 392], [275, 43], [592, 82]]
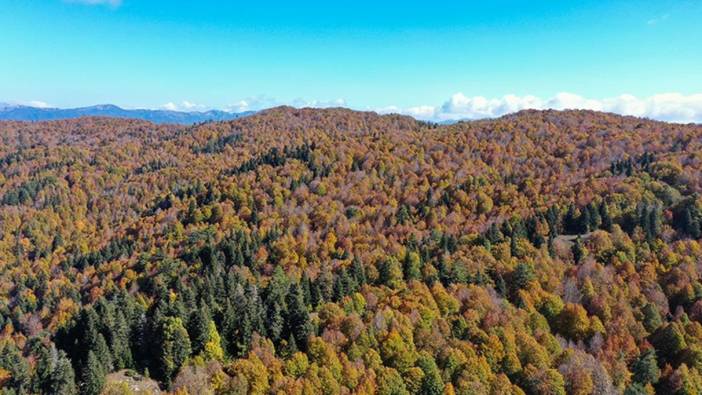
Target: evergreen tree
[[645, 368], [275, 321], [174, 348], [570, 221], [198, 329], [551, 247], [12, 361], [654, 223], [513, 247], [120, 347], [298, 317], [432, 383], [578, 250], [213, 348], [594, 216], [358, 272], [341, 286], [102, 352], [584, 221], [652, 318], [238, 326], [93, 375], [411, 266], [62, 379], [306, 286]]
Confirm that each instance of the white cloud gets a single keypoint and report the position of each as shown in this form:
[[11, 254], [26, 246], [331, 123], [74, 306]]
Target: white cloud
[[673, 107], [256, 103], [38, 104], [184, 106]]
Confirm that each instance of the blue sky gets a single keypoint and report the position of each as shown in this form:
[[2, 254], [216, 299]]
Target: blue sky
[[408, 56]]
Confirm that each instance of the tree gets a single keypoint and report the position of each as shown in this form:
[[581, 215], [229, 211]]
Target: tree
[[198, 330], [62, 378], [411, 266], [606, 218], [298, 317], [523, 275], [11, 361], [93, 375], [645, 369], [578, 250], [391, 273], [432, 383], [669, 340], [358, 272], [213, 346], [275, 322], [652, 318], [173, 347]]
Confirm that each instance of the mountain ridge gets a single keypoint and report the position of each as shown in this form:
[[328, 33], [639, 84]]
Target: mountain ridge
[[11, 112]]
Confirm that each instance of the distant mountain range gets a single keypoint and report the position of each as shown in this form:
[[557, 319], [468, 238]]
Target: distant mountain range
[[28, 113]]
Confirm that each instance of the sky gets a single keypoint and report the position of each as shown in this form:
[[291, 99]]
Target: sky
[[433, 60]]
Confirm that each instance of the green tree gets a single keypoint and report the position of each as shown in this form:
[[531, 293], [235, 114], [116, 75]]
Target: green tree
[[412, 266], [213, 346], [578, 250], [198, 329], [432, 383], [669, 340], [358, 272], [391, 273], [298, 320], [62, 378], [173, 347], [93, 376], [645, 368]]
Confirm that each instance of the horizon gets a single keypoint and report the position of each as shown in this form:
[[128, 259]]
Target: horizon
[[10, 105], [461, 61]]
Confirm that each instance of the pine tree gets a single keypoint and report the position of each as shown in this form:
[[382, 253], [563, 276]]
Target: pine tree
[[213, 347], [584, 221], [570, 221], [275, 322], [93, 376], [645, 369], [432, 383], [340, 286], [578, 250], [298, 317], [411, 266], [62, 378], [358, 272], [120, 347], [595, 218], [102, 352], [12, 361], [513, 247], [306, 286], [174, 348], [240, 327], [198, 329]]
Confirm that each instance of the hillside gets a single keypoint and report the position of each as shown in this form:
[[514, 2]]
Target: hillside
[[309, 251]]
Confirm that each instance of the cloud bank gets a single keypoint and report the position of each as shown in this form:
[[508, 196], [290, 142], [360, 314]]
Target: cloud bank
[[672, 107]]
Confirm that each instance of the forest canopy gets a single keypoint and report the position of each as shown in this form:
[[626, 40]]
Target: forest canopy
[[332, 251]]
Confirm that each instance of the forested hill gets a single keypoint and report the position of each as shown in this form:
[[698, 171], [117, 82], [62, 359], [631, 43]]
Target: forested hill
[[334, 251]]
